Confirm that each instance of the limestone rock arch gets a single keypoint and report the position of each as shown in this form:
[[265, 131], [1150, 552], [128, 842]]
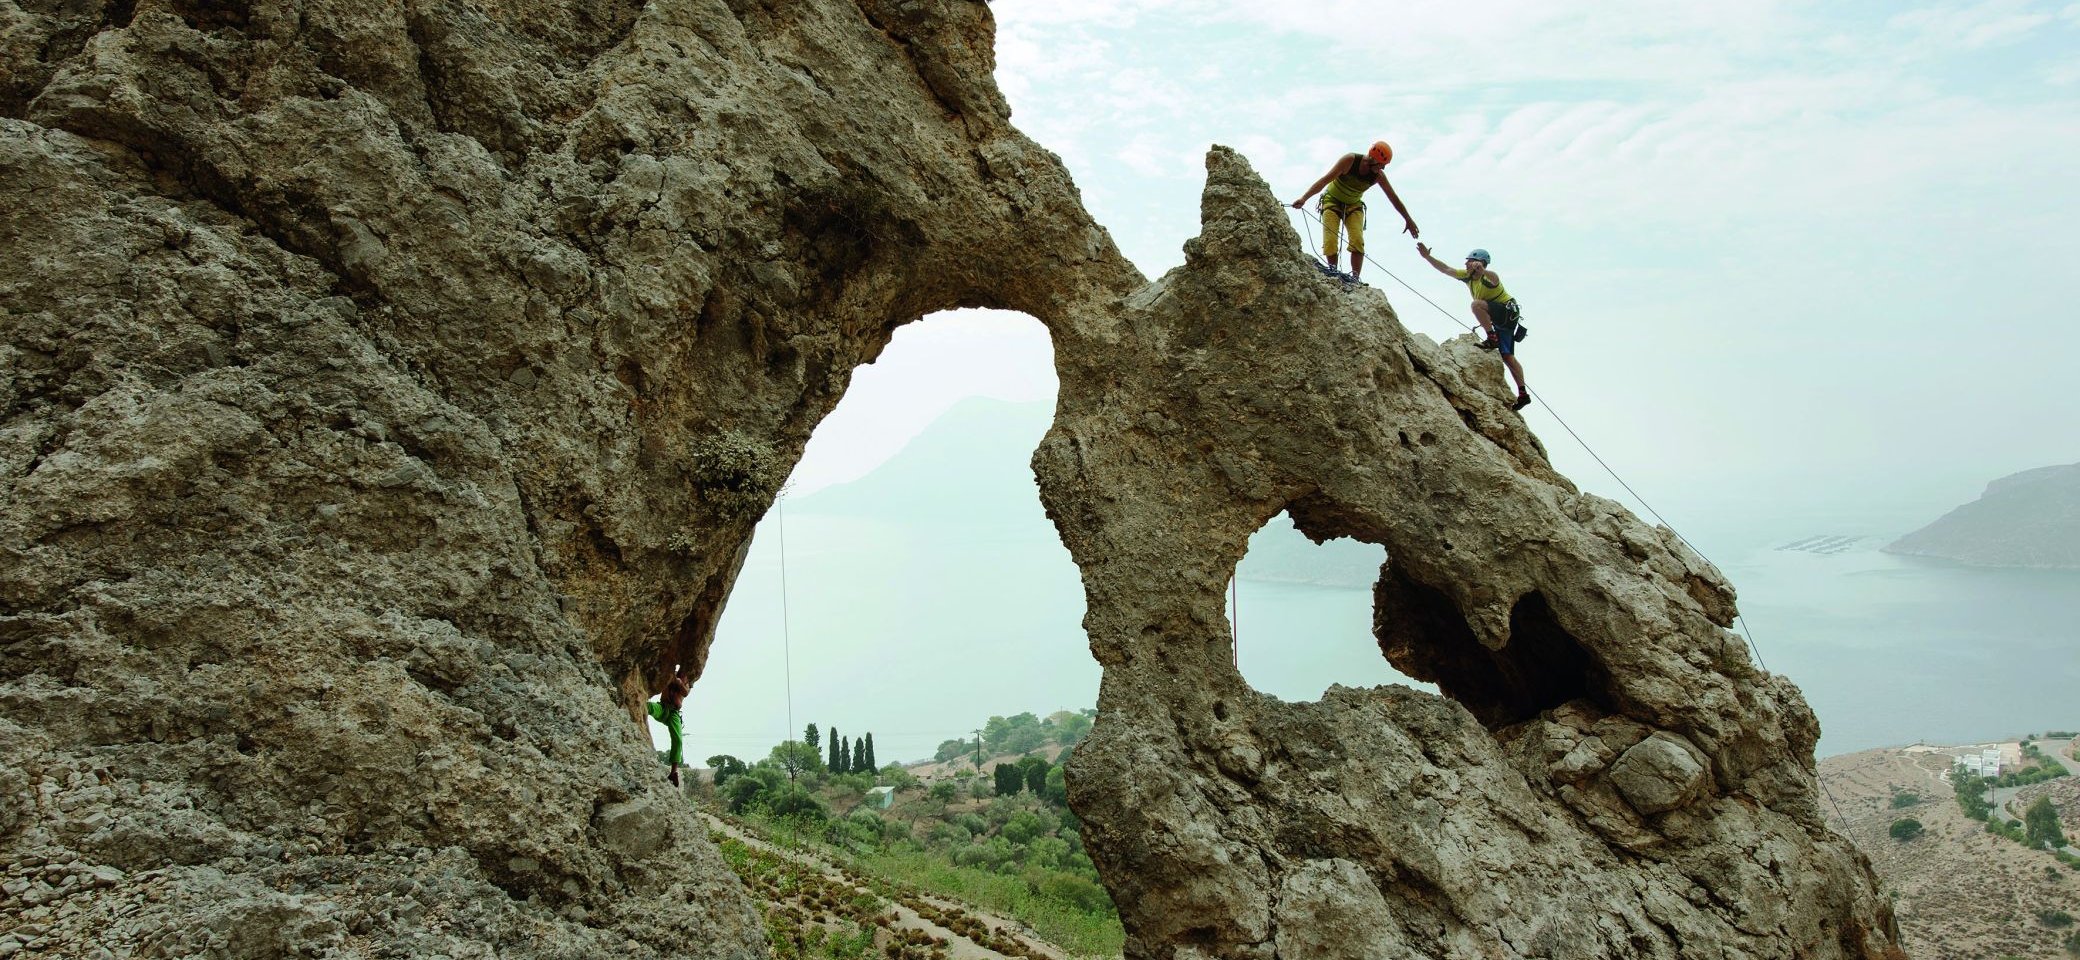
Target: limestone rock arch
[[388, 392]]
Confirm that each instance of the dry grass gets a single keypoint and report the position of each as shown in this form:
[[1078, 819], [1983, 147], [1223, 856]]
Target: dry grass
[[1960, 892]]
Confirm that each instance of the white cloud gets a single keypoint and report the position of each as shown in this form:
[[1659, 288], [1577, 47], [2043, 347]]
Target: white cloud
[[1986, 24]]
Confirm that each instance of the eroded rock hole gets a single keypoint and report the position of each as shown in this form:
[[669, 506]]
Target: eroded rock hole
[[1423, 634], [1302, 614], [925, 589]]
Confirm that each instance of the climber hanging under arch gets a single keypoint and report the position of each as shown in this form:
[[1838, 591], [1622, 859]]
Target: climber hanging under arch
[[668, 711]]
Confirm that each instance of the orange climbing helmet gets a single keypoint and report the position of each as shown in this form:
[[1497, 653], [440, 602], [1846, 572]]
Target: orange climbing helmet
[[1380, 153]]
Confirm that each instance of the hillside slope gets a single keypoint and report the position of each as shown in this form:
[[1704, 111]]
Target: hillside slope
[[2027, 519]]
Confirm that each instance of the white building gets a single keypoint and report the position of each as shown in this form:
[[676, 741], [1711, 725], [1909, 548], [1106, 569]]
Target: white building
[[1985, 763]]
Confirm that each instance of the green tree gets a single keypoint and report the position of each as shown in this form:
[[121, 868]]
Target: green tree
[[2040, 825], [844, 764], [1070, 727], [837, 761], [793, 801], [1906, 829], [725, 767], [750, 789], [1057, 789], [794, 758], [1024, 826], [868, 765], [944, 791], [813, 739], [1034, 770], [859, 757], [949, 749], [1010, 779]]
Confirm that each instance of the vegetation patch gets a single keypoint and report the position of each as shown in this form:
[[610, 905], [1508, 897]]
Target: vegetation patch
[[988, 829]]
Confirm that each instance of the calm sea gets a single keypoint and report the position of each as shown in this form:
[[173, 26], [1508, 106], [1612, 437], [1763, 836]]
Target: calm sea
[[918, 634]]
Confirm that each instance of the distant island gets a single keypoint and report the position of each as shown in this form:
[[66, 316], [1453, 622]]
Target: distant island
[[2028, 519]]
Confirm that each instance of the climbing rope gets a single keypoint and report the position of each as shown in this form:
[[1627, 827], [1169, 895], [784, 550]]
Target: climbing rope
[[786, 653], [1740, 619], [1555, 414]]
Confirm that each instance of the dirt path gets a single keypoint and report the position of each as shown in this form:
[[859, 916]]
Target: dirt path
[[962, 947]]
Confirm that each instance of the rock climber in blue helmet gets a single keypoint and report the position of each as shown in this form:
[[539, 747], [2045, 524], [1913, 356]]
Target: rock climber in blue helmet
[[1493, 306]]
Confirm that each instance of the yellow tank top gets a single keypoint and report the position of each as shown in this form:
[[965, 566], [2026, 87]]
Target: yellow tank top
[[1348, 189], [1481, 290]]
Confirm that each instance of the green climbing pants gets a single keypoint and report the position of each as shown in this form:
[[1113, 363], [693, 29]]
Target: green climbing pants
[[672, 724]]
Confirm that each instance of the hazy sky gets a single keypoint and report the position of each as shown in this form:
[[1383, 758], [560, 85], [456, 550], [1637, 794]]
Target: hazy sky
[[1774, 255], [1794, 268]]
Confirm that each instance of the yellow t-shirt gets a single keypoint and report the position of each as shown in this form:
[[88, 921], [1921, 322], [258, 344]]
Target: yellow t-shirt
[[1482, 290]]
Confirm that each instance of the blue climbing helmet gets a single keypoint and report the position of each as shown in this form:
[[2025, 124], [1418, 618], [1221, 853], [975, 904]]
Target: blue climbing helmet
[[1479, 254]]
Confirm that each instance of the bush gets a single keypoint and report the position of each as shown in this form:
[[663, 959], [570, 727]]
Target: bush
[[793, 802], [948, 835], [944, 791], [2073, 943], [2055, 918], [1906, 829], [1075, 892], [1026, 826], [1901, 801], [733, 472]]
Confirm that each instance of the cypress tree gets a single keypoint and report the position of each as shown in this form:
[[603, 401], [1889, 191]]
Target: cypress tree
[[1009, 779], [859, 755], [837, 763], [871, 766], [813, 739]]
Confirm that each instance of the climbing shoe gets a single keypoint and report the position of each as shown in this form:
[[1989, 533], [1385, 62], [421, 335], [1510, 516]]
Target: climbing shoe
[[1523, 400], [1489, 344], [1327, 270]]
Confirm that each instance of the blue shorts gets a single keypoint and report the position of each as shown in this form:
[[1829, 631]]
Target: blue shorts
[[1505, 316]]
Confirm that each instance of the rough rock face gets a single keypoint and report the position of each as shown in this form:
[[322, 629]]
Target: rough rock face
[[1608, 776], [387, 395], [2027, 519], [388, 392]]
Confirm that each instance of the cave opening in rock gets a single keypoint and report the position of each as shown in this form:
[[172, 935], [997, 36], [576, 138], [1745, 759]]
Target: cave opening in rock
[[1542, 666], [925, 589], [1302, 614]]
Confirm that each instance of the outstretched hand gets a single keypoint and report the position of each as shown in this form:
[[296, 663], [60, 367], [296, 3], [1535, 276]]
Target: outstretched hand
[[1423, 248], [1411, 229]]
